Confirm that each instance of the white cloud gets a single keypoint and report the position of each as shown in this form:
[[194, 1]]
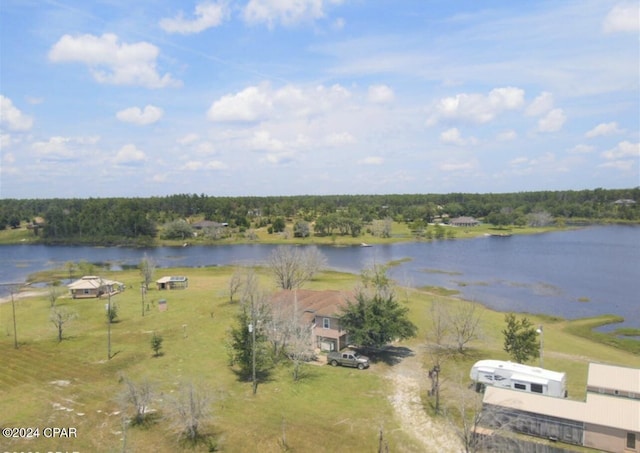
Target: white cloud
[[262, 141], [454, 137], [5, 140], [553, 121], [12, 117], [188, 139], [603, 129], [459, 166], [8, 158], [540, 105], [506, 136], [581, 149], [207, 15], [111, 61], [476, 107], [129, 154], [624, 17], [250, 104], [149, 115], [623, 165], [340, 139], [518, 161], [371, 160], [380, 94], [622, 150], [257, 103], [285, 12], [59, 147], [195, 165]]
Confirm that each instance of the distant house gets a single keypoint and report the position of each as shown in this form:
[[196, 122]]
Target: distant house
[[624, 202], [173, 282], [92, 286], [464, 222], [204, 224], [608, 420], [321, 310]]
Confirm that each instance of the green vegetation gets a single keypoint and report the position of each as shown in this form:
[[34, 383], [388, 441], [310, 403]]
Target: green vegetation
[[520, 339], [335, 219], [71, 383]]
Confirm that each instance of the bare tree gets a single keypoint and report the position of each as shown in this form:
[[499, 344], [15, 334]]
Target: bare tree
[[138, 397], [464, 319], [147, 269], [53, 293], [467, 422], [60, 316], [453, 324], [289, 334], [235, 283], [189, 410], [382, 228], [439, 328], [539, 218], [292, 267]]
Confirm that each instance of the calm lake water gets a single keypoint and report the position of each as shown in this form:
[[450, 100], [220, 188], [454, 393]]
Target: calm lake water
[[572, 274]]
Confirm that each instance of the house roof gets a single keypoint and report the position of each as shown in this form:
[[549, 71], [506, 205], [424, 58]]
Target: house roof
[[207, 224], [91, 282], [614, 377], [322, 303], [171, 279], [603, 410], [464, 220]]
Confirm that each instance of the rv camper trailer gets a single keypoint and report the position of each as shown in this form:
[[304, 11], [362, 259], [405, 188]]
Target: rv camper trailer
[[518, 377]]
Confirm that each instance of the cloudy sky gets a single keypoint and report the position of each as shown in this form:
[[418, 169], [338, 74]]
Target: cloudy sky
[[289, 97]]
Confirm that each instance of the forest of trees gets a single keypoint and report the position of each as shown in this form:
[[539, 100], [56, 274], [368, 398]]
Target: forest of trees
[[136, 220]]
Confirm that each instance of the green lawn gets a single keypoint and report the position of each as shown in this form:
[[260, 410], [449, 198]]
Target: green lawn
[[72, 384]]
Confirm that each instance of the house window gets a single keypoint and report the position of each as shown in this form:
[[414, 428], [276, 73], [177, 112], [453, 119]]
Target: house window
[[326, 323], [519, 386], [86, 291], [536, 388], [631, 441]]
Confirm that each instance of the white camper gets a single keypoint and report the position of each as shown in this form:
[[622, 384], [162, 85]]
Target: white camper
[[519, 377]]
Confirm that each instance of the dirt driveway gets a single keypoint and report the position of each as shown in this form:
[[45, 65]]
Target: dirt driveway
[[408, 378]]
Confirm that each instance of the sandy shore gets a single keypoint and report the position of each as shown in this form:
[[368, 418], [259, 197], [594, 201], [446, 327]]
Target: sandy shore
[[21, 295]]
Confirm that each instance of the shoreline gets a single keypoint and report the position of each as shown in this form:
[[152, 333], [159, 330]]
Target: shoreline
[[21, 295]]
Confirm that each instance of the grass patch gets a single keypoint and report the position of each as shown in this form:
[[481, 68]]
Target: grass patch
[[72, 383], [439, 290], [627, 332], [585, 328]]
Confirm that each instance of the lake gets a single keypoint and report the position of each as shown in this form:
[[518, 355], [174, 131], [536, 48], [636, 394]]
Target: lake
[[573, 274]]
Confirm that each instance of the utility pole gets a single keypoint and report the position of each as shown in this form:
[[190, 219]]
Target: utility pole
[[13, 307], [252, 329], [142, 291], [109, 327], [540, 331]]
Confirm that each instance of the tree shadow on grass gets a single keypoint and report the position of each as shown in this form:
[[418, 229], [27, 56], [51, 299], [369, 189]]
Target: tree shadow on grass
[[390, 355]]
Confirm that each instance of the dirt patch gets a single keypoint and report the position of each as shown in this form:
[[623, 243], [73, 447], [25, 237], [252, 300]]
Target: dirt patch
[[433, 435]]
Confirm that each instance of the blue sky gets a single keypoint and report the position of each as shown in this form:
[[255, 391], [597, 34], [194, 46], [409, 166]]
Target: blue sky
[[291, 97]]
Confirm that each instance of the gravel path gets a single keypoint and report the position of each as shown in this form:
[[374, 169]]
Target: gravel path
[[433, 435]]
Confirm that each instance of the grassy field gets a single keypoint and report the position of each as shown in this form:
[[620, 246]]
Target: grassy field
[[73, 384]]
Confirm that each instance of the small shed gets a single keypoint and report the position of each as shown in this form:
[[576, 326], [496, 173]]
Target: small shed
[[173, 282]]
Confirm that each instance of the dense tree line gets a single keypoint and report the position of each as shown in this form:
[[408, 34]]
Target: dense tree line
[[136, 219]]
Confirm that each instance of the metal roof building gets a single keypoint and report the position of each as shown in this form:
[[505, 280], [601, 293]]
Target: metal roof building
[[608, 420]]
